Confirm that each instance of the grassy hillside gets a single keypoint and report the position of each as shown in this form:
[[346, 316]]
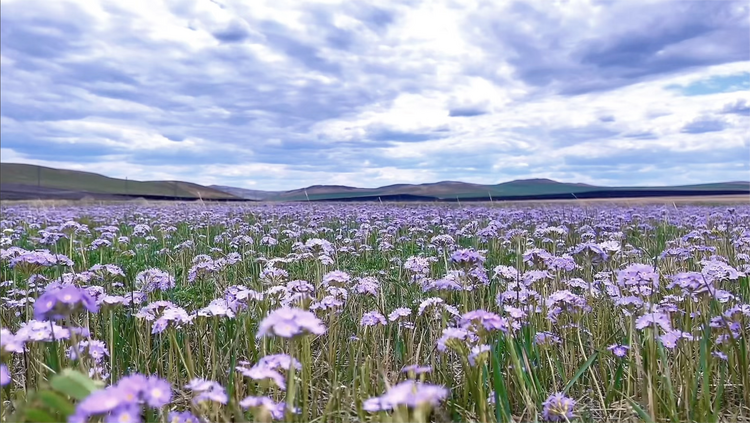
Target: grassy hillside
[[22, 179], [74, 180]]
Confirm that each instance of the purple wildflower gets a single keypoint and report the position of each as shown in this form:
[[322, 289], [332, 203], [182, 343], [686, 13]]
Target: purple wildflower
[[127, 414], [42, 258], [670, 338], [153, 280], [408, 393], [182, 417], [262, 373], [656, 318], [455, 338], [207, 391], [558, 408], [416, 369], [258, 402], [336, 278], [399, 313], [57, 303], [547, 338], [372, 318], [102, 401], [289, 322], [466, 257], [4, 375], [279, 361], [367, 285], [157, 392], [477, 353], [481, 320], [619, 350]]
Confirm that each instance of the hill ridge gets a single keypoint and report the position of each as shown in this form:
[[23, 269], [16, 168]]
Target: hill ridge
[[32, 181]]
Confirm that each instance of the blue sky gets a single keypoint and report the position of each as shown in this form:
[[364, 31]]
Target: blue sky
[[284, 94]]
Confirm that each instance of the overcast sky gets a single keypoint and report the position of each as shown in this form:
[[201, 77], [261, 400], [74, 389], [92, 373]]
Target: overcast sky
[[284, 94]]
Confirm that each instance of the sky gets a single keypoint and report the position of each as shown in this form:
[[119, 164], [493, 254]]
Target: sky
[[280, 94]]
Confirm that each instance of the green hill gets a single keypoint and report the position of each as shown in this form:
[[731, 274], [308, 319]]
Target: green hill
[[31, 177]]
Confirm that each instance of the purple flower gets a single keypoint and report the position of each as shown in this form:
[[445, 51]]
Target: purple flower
[[619, 350], [546, 338], [670, 338], [57, 303], [558, 408], [157, 392], [4, 375], [279, 361], [217, 307], [288, 322], [466, 257], [639, 278], [182, 417], [372, 318], [656, 318], [409, 393], [9, 342], [720, 355], [444, 284], [336, 278], [478, 352], [128, 414], [481, 319], [437, 305], [262, 373], [399, 313], [42, 258], [367, 285], [715, 271], [102, 401], [154, 279], [455, 338], [590, 250], [416, 369], [255, 402], [207, 390]]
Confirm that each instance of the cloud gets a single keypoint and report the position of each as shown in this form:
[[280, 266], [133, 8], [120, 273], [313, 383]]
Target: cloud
[[704, 124], [740, 107], [282, 94], [466, 112]]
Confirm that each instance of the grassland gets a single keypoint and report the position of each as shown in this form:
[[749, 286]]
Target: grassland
[[618, 313]]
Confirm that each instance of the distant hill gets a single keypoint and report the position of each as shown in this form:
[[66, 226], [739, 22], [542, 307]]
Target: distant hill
[[23, 181], [513, 190], [249, 194]]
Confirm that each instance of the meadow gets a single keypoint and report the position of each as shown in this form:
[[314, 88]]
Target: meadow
[[394, 313]]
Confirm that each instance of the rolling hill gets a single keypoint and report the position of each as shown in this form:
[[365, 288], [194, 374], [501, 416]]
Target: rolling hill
[[513, 190], [23, 181]]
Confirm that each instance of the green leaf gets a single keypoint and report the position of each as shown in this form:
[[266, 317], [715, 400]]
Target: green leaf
[[638, 410], [73, 384], [56, 402], [581, 371], [39, 416], [502, 406]]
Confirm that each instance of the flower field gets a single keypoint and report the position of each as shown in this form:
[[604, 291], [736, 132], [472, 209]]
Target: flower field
[[394, 313]]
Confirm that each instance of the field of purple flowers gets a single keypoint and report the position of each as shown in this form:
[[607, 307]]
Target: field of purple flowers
[[341, 313]]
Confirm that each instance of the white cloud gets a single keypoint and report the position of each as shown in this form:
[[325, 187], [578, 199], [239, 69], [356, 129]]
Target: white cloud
[[283, 94]]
